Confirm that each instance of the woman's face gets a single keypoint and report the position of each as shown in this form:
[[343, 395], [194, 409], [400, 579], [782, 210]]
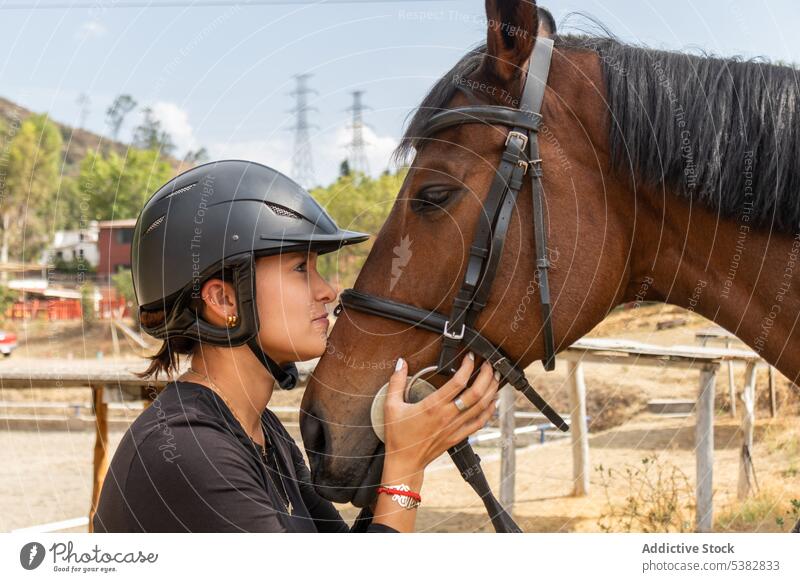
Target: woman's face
[[291, 298]]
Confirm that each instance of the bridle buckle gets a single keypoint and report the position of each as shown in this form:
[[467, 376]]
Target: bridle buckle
[[520, 135], [453, 336]]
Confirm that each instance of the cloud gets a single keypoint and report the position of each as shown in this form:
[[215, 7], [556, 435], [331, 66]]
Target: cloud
[[175, 121], [91, 29], [275, 153]]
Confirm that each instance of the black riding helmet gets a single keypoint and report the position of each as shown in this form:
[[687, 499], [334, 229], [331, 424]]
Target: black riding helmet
[[223, 215]]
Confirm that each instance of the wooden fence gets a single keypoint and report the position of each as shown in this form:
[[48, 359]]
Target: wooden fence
[[110, 381], [64, 309], [705, 360], [114, 380]]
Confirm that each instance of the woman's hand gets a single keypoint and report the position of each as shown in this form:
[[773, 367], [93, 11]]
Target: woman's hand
[[416, 434]]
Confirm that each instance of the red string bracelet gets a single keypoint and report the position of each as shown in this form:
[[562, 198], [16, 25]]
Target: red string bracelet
[[392, 491]]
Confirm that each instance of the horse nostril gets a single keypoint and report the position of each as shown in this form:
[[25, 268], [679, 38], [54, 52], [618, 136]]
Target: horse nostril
[[313, 431]]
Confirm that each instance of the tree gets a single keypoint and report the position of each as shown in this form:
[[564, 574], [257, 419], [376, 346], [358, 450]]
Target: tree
[[149, 135], [117, 112], [71, 210], [29, 177], [88, 305], [74, 266], [123, 283], [196, 157], [7, 298], [356, 202], [117, 187]]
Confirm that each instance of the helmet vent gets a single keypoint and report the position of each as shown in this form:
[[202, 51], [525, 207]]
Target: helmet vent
[[182, 190], [281, 211], [156, 223]]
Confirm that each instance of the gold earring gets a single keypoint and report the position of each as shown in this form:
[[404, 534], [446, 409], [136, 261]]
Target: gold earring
[[233, 320]]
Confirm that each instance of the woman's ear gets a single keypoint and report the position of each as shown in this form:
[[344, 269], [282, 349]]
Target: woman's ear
[[511, 34], [219, 299]]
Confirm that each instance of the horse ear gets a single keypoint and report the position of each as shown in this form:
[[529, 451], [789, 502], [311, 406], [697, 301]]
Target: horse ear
[[511, 33]]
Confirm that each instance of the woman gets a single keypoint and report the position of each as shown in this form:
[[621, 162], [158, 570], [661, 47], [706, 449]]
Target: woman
[[224, 269]]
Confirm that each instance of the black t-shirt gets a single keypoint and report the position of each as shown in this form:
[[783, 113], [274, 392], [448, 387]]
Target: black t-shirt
[[185, 465]]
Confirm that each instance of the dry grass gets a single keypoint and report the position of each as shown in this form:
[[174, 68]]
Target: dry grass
[[766, 511], [658, 497]]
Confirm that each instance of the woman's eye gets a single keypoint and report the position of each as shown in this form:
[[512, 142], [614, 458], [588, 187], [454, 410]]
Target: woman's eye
[[301, 268], [429, 200]]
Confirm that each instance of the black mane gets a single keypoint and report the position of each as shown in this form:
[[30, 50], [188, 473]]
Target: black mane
[[723, 132], [436, 100]]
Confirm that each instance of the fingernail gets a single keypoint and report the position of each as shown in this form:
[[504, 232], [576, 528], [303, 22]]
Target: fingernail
[[399, 365], [471, 356], [497, 375]]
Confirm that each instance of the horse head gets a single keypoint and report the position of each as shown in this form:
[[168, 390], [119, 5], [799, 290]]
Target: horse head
[[422, 251]]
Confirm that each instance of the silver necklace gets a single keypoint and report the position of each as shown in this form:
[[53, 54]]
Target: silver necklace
[[263, 449], [277, 469]]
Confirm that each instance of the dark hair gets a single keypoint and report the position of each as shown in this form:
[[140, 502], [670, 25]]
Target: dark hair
[[723, 132], [546, 20], [167, 359]]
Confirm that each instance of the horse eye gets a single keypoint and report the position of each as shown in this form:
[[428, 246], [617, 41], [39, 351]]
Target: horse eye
[[430, 200]]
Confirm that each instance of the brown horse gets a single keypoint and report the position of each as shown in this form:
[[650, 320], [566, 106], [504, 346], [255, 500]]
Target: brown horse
[[667, 177]]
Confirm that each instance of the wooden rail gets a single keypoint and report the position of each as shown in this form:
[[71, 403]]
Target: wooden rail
[[705, 360], [115, 381], [110, 380]]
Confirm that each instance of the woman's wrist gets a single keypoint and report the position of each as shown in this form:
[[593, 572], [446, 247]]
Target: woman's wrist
[[385, 510], [402, 471]]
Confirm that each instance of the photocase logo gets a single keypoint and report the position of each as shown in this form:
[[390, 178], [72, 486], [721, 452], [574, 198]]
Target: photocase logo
[[402, 254], [31, 555]]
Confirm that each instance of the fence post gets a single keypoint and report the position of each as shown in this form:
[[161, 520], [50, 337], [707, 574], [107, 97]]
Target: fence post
[[508, 454], [704, 450], [578, 428], [748, 422], [773, 398], [100, 463], [731, 382]]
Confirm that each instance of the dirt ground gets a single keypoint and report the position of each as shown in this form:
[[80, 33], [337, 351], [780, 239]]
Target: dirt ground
[[46, 476], [68, 339], [544, 479]]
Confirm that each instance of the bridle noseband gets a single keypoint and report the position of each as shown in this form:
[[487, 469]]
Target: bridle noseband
[[520, 158]]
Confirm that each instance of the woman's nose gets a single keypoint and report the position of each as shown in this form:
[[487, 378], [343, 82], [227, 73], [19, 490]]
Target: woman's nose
[[327, 292]]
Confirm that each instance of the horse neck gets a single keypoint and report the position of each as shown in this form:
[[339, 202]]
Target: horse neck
[[732, 273]]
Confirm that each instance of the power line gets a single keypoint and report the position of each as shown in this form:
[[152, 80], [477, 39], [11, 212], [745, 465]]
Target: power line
[[357, 146], [101, 6], [84, 104], [302, 160]]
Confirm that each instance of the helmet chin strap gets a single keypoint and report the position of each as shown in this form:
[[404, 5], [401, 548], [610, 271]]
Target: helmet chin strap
[[285, 376]]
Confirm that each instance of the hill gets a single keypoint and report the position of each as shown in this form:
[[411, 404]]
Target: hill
[[77, 142]]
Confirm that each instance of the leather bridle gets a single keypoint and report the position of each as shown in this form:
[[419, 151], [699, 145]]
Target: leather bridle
[[520, 158]]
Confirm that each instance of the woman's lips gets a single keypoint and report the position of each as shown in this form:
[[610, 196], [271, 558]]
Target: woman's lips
[[322, 320]]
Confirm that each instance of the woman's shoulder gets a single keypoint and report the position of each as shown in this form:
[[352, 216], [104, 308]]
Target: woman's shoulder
[[182, 469], [182, 409], [182, 428]]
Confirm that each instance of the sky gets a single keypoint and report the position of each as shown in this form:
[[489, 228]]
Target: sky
[[222, 77]]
